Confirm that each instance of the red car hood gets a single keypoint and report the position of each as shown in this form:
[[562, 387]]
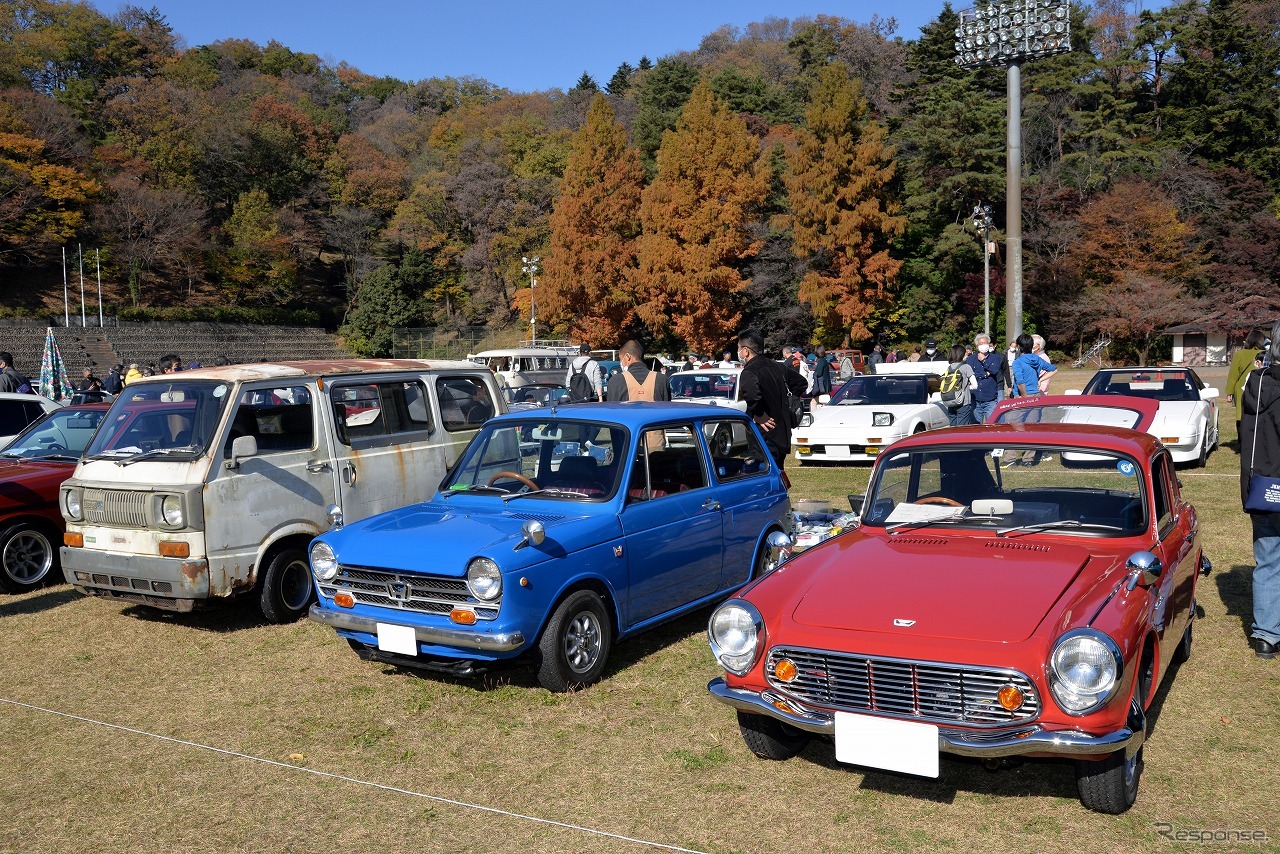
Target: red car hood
[[32, 482], [981, 589]]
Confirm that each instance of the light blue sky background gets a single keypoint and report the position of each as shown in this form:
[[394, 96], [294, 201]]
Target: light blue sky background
[[524, 46]]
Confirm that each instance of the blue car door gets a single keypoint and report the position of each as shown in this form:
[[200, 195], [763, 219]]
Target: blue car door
[[672, 525]]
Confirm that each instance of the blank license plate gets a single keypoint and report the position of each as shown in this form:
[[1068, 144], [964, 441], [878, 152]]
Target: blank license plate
[[905, 746], [400, 639]]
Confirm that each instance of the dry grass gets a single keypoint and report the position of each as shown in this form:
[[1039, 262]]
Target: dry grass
[[645, 754]]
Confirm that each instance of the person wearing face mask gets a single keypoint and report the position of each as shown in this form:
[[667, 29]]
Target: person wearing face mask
[[988, 368], [931, 353]]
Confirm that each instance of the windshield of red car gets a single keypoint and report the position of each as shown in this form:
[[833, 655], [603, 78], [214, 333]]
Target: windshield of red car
[[1002, 487], [61, 433]]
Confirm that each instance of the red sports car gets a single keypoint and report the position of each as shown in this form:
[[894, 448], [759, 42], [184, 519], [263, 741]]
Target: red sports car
[[32, 468], [1017, 589]]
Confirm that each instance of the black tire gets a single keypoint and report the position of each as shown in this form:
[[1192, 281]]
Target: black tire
[[1203, 459], [1183, 652], [287, 591], [770, 739], [1110, 785], [575, 645], [28, 558], [722, 441]]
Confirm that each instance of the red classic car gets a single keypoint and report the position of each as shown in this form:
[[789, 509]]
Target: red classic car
[[32, 468], [1016, 589]]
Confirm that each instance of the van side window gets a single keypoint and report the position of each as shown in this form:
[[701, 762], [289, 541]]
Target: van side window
[[281, 419], [377, 409], [465, 403]]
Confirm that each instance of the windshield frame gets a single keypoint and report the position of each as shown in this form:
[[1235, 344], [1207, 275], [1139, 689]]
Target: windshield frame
[[204, 405]]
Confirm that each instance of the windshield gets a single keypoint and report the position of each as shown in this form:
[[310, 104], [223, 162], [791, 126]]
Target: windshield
[[1093, 492], [1152, 383], [703, 384], [164, 419], [1060, 413], [882, 391], [557, 459], [536, 395], [62, 433]]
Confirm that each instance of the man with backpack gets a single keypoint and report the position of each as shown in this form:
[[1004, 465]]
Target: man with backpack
[[10, 379], [583, 379], [956, 388]]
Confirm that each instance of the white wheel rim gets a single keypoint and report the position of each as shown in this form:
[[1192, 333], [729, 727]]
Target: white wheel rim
[[27, 557], [582, 641]]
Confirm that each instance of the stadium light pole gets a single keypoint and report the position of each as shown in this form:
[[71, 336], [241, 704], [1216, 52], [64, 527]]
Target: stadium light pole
[[1009, 33], [982, 220], [531, 267]]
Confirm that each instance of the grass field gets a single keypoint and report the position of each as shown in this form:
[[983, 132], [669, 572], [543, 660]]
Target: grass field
[[107, 714]]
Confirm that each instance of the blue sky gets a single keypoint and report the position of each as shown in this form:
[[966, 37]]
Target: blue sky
[[524, 46]]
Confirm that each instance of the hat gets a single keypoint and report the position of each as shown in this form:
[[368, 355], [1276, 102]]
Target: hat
[[932, 342]]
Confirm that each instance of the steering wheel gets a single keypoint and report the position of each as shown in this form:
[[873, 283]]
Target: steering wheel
[[513, 476], [54, 446], [939, 499]]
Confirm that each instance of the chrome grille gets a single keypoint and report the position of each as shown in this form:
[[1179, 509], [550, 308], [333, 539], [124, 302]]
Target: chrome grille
[[918, 690], [116, 507], [424, 594]]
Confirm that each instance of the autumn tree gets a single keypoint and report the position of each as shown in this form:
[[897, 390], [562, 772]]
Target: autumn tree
[[842, 217], [696, 217], [1133, 228], [594, 227], [258, 267], [1136, 308]]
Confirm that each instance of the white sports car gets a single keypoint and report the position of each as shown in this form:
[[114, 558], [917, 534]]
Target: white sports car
[[1187, 419], [712, 387], [867, 414]]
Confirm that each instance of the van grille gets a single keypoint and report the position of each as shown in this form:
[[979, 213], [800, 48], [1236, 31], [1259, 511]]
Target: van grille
[[116, 507], [404, 591]]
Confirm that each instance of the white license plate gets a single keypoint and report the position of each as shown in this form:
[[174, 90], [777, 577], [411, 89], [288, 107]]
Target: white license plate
[[838, 451], [905, 746], [400, 639]]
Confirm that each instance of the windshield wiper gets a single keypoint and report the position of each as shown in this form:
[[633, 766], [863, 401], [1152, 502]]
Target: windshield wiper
[[156, 452], [1058, 523], [475, 487], [923, 523], [546, 490]]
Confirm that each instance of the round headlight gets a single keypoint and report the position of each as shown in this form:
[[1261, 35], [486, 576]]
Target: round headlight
[[171, 511], [736, 633], [324, 564], [1084, 670], [71, 504], [484, 579]]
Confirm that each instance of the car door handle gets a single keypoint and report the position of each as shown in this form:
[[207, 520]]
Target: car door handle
[[711, 504], [349, 474], [316, 466]]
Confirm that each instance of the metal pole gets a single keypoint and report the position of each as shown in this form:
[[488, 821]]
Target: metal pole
[[98, 257], [1013, 208], [986, 273], [80, 251], [66, 292]]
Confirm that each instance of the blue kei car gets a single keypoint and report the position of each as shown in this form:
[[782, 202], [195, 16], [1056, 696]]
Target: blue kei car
[[558, 532]]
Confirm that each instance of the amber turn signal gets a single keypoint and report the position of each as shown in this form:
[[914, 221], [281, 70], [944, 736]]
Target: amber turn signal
[[785, 670], [173, 548], [344, 600], [74, 540], [463, 617], [1010, 698]]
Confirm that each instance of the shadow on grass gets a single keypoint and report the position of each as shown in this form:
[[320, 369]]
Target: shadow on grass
[[231, 615], [48, 597], [1235, 586]]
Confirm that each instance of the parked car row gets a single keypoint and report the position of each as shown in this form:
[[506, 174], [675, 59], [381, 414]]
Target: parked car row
[[979, 609]]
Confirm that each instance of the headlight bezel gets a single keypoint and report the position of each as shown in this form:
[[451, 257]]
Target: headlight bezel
[[70, 495], [1066, 694], [738, 663], [324, 563], [484, 579], [881, 419], [170, 511]]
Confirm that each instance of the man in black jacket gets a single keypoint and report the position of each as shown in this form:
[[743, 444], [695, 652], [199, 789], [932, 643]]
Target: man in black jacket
[[764, 384], [1260, 454]]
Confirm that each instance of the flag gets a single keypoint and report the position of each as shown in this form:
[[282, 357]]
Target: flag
[[55, 384]]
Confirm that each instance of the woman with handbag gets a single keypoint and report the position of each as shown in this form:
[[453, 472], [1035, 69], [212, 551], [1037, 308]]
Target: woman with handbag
[[1260, 495]]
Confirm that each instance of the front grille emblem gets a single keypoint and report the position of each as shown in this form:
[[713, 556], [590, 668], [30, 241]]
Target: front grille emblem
[[398, 591]]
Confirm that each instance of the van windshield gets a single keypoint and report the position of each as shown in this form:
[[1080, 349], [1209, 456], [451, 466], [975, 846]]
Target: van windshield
[[161, 420]]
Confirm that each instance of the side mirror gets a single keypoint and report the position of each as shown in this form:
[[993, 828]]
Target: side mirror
[[242, 447], [1144, 568], [824, 399], [1208, 393], [778, 547], [534, 533]]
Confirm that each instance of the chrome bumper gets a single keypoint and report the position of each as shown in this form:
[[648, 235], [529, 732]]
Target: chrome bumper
[[460, 638], [976, 743]]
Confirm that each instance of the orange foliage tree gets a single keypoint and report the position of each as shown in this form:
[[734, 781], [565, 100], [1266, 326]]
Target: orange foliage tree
[[1133, 228], [696, 216], [594, 227], [842, 218]]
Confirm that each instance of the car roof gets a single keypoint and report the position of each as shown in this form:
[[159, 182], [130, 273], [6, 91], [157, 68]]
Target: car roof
[[1116, 439], [252, 371], [630, 413]]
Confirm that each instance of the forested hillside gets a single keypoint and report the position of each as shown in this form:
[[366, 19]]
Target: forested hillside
[[813, 177]]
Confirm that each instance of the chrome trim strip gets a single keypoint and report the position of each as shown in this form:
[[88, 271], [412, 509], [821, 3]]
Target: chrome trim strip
[[502, 642], [1017, 741]]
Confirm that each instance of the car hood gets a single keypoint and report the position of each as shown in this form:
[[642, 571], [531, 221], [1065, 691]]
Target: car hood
[[440, 537], [1176, 413], [929, 586], [31, 482]]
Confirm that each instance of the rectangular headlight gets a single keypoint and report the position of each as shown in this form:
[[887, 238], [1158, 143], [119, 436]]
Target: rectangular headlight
[[881, 419]]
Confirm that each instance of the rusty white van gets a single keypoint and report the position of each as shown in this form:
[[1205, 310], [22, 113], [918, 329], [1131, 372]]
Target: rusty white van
[[208, 484]]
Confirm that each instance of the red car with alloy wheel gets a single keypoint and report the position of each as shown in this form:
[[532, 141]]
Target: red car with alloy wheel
[[1012, 589]]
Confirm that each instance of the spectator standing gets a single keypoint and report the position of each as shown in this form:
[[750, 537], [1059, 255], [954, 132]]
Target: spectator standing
[[635, 381], [10, 379], [931, 352], [90, 382], [170, 364], [876, 358], [821, 372], [727, 361], [113, 381], [133, 373], [915, 354], [962, 414], [1027, 367], [1048, 369], [586, 366], [892, 358], [1260, 454], [989, 368], [1242, 362], [690, 362], [764, 384]]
